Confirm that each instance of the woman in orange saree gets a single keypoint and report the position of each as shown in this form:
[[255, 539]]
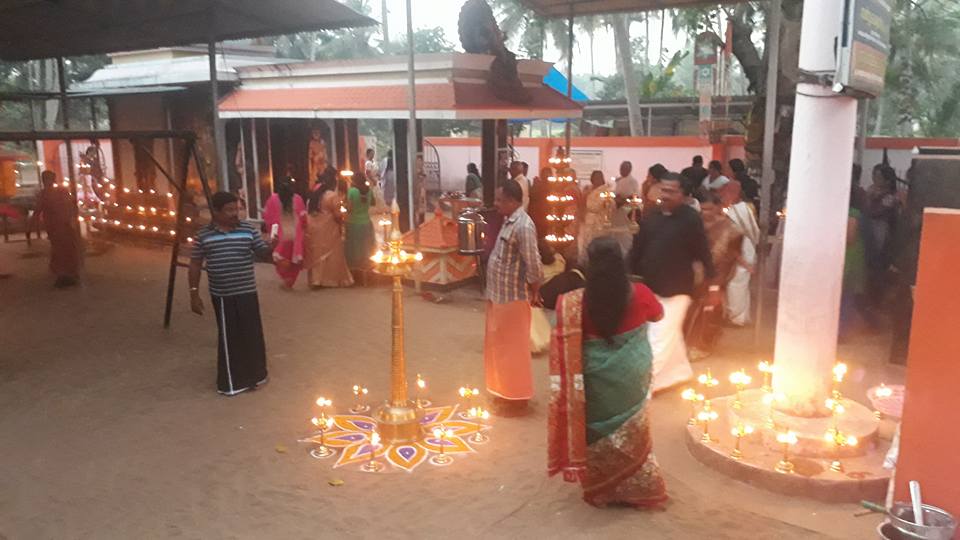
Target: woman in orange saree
[[601, 368], [58, 211]]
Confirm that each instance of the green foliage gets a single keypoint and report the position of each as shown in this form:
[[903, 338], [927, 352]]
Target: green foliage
[[331, 44], [531, 31], [425, 40], [923, 73], [657, 81]]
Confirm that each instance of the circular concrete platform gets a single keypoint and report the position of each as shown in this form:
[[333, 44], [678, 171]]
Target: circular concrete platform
[[857, 420], [863, 478]]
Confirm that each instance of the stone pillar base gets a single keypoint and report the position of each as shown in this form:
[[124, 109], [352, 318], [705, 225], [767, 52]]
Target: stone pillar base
[[863, 475]]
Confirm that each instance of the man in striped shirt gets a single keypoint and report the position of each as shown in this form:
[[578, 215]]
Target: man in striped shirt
[[229, 247], [514, 272]]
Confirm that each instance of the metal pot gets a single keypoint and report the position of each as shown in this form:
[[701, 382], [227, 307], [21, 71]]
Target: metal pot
[[939, 525], [470, 227]]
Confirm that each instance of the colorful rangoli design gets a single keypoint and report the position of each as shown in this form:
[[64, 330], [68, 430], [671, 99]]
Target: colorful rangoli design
[[350, 436]]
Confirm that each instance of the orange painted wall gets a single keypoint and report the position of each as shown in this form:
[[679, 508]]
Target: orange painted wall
[[929, 434]]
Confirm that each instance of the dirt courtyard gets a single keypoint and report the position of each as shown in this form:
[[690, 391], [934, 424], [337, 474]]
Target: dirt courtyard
[[110, 426]]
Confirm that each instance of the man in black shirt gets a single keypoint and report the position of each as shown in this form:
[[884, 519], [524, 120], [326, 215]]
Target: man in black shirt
[[695, 173], [749, 186], [670, 240]]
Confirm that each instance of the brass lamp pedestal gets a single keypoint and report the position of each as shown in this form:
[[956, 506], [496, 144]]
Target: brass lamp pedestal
[[398, 420]]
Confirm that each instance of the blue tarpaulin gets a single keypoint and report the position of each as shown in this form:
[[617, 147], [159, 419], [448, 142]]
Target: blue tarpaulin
[[556, 80]]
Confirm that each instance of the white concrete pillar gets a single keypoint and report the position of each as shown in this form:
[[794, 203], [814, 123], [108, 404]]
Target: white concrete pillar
[[817, 205]]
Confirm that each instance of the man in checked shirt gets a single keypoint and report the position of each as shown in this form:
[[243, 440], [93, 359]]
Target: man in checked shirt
[[514, 272]]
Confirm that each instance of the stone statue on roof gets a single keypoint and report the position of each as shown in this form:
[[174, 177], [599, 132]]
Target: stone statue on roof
[[480, 34]]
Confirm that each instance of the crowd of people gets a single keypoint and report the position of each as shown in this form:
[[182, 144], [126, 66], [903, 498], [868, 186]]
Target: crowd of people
[[659, 268], [331, 234], [691, 237]]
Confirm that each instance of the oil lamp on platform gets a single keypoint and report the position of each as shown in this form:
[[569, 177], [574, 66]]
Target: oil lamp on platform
[[740, 380], [786, 439], [739, 431], [694, 398]]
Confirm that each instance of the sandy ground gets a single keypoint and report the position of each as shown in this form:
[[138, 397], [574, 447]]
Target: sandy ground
[[110, 426]]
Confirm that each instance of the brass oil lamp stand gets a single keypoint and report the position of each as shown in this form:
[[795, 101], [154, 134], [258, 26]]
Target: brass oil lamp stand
[[398, 420]]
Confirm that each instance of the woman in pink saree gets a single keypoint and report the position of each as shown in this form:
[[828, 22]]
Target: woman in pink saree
[[287, 210]]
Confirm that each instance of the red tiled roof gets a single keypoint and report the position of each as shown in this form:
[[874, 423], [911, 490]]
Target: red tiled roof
[[444, 97]]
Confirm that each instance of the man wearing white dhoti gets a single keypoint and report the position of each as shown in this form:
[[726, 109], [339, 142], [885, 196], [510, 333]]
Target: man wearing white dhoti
[[738, 288], [670, 239]]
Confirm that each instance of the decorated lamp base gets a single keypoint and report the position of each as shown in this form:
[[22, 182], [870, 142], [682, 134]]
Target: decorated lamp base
[[784, 467], [349, 438], [372, 466], [478, 438], [440, 460], [398, 425], [322, 452]]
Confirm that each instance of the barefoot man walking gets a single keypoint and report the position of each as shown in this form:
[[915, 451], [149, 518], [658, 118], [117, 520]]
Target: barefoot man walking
[[229, 246]]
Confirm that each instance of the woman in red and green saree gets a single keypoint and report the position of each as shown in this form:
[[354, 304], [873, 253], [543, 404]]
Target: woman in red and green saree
[[601, 368]]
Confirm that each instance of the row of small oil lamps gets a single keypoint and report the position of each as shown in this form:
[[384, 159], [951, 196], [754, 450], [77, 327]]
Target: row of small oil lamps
[[557, 214], [787, 438], [324, 423]]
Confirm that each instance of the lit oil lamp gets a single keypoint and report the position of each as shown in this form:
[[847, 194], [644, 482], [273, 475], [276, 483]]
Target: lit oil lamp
[[480, 415], [740, 380], [769, 399], [708, 381], [323, 403], [839, 372], [385, 224], [441, 434], [694, 398], [836, 409], [467, 395], [739, 431], [767, 369], [322, 451], [359, 406], [372, 465], [787, 439], [421, 386], [838, 440], [882, 393], [706, 416]]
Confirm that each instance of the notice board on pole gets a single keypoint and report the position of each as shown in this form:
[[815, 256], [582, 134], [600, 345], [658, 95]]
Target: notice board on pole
[[864, 47]]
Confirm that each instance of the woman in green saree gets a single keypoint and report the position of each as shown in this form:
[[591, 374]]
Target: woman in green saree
[[601, 368]]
